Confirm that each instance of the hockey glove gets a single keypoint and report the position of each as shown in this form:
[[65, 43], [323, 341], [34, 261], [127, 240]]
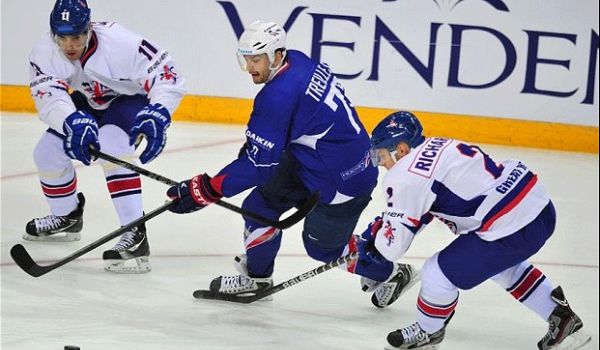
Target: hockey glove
[[367, 252], [151, 122], [81, 131], [193, 194]]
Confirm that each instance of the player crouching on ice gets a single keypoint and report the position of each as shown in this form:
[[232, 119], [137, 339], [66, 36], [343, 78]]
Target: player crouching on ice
[[500, 212], [123, 87], [303, 136]]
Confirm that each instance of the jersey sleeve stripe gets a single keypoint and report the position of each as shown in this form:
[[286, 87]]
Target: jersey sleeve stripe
[[517, 196]]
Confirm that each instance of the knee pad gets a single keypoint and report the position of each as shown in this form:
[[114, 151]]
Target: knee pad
[[50, 158], [115, 142], [331, 226], [320, 253], [435, 286]]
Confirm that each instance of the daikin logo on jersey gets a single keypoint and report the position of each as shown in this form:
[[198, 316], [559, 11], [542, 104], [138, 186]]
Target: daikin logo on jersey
[[461, 51], [260, 141]]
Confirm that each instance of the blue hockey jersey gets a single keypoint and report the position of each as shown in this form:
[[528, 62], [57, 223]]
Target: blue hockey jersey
[[303, 111]]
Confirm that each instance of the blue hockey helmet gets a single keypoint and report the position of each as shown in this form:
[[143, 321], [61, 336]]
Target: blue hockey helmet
[[70, 17], [395, 128]]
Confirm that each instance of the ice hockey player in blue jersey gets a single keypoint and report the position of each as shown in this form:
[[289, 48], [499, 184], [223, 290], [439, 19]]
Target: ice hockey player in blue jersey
[[123, 88], [500, 212], [303, 136]]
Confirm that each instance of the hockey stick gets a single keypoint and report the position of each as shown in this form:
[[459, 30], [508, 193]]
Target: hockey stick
[[302, 211], [249, 298], [27, 264]]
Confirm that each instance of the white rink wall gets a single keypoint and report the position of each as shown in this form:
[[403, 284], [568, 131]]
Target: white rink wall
[[533, 60]]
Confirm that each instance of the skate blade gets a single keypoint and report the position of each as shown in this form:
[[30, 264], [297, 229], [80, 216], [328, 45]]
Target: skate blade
[[244, 298], [426, 347], [574, 341], [132, 266], [56, 237]]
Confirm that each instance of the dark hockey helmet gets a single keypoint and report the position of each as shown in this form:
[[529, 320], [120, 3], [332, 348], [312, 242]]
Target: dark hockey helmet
[[70, 17], [395, 128]]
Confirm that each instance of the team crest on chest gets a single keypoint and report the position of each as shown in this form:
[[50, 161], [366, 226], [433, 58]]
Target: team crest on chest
[[97, 92]]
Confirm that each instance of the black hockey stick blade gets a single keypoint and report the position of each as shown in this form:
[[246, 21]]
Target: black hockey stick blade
[[288, 222], [252, 297], [303, 210], [24, 260], [210, 295]]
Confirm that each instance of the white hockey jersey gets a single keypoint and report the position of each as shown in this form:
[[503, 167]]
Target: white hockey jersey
[[463, 187], [116, 62]]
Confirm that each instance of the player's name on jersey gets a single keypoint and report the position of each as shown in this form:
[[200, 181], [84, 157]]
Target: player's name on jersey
[[512, 179], [318, 82], [424, 163]]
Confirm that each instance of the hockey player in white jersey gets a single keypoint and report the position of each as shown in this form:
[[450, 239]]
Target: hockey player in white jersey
[[500, 212], [98, 85]]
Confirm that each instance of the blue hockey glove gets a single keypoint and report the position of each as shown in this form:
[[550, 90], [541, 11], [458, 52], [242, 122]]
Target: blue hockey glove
[[366, 243], [193, 194], [81, 131], [152, 122]]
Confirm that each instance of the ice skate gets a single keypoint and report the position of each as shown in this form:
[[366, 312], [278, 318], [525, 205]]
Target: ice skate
[[564, 326], [130, 254], [241, 284], [385, 293], [57, 228], [413, 337]]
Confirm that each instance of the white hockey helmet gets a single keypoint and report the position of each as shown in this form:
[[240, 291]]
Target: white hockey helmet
[[258, 38]]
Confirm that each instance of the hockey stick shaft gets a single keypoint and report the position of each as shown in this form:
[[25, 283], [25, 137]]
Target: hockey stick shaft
[[283, 224], [133, 167], [27, 264], [309, 274], [206, 294]]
